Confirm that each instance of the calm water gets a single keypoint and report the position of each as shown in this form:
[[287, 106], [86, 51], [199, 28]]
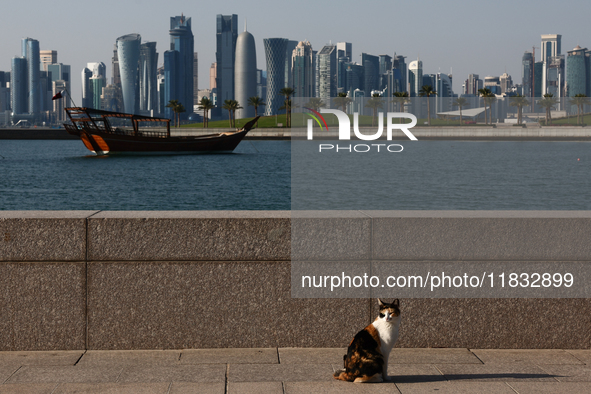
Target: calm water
[[60, 175]]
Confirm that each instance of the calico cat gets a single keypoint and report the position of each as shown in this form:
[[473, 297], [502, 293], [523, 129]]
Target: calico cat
[[366, 360]]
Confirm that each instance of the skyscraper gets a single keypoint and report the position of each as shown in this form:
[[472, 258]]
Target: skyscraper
[[527, 68], [182, 42], [553, 65], [226, 36], [245, 74], [415, 77], [195, 79], [47, 57], [578, 64], [399, 64], [327, 72], [345, 49], [275, 56], [302, 71], [31, 54], [371, 64], [147, 78], [89, 95], [128, 53], [291, 45], [18, 85]]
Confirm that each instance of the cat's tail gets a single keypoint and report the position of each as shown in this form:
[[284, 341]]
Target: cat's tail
[[342, 374]]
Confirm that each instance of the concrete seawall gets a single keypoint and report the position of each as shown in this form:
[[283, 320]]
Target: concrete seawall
[[198, 279]]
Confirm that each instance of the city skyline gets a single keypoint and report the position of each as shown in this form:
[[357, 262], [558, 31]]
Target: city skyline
[[464, 48]]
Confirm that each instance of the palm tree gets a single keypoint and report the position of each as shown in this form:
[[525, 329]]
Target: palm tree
[[287, 92], [342, 100], [256, 102], [234, 106], [427, 90], [374, 103], [178, 110], [485, 92], [548, 102], [205, 104], [173, 104], [400, 98], [580, 100], [460, 102], [315, 103], [519, 101]]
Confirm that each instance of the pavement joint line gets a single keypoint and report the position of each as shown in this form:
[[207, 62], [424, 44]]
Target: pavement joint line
[[12, 374], [438, 370], [278, 357], [80, 358], [283, 387], [227, 383], [553, 376], [169, 387], [583, 361], [511, 387], [474, 354]]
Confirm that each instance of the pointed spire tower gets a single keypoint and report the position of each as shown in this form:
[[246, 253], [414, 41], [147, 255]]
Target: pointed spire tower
[[245, 73]]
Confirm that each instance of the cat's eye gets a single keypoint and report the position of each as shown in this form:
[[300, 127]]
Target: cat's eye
[[382, 315]]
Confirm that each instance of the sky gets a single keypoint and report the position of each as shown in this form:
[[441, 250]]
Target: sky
[[464, 37]]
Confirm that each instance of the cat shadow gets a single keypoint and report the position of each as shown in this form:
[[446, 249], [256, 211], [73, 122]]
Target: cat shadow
[[483, 377]]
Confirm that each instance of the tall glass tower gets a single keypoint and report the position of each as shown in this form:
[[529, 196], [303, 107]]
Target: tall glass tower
[[415, 77], [182, 42], [275, 55], [577, 64], [31, 54], [226, 36], [327, 72], [128, 52], [245, 74], [302, 70], [148, 77], [18, 85]]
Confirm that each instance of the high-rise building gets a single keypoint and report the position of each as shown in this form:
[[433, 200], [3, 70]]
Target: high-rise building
[[245, 74], [179, 80], [90, 96], [527, 68], [97, 82], [18, 86], [472, 85], [371, 65], [261, 83], [60, 72], [443, 87], [275, 56], [345, 49], [550, 46], [128, 53], [47, 57], [302, 70], [31, 54], [578, 66], [354, 77], [327, 72], [226, 36], [399, 64], [415, 77], [291, 45], [493, 84], [506, 83], [553, 69], [148, 70], [59, 105], [195, 79]]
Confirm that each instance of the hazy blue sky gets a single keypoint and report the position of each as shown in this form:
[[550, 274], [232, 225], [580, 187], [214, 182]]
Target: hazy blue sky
[[479, 37]]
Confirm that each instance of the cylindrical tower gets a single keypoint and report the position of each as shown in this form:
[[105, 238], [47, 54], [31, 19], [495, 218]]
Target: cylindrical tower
[[275, 55], [245, 74], [18, 85], [128, 52]]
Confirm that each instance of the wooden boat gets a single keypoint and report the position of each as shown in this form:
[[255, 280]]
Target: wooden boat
[[104, 132]]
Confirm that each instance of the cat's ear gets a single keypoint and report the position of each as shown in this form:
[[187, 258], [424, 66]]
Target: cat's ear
[[380, 303], [396, 303]]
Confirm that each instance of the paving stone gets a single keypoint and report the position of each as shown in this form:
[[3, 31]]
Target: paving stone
[[400, 373], [197, 388], [312, 355], [569, 373], [525, 356], [65, 374], [43, 388], [494, 372], [112, 388], [280, 372], [255, 388], [129, 357], [455, 388], [339, 387], [179, 373], [63, 357], [433, 356], [584, 355], [551, 387], [226, 356]]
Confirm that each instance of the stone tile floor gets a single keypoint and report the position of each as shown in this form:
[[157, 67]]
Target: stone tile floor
[[291, 371]]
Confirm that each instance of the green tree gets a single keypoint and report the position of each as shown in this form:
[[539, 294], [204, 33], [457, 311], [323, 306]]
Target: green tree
[[400, 98], [427, 91], [460, 102], [375, 102], [342, 100], [174, 105], [519, 101], [548, 102], [315, 103], [287, 92], [256, 102], [205, 104], [580, 100], [484, 93]]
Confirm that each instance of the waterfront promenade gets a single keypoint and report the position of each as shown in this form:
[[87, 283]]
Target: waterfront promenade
[[293, 370]]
